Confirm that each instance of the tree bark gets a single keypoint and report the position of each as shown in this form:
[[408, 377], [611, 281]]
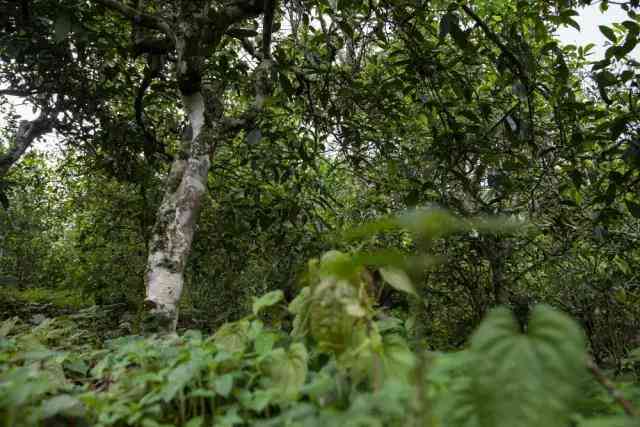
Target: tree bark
[[28, 131], [177, 217], [186, 184]]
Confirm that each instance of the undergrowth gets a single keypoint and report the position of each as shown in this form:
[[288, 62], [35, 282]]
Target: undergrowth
[[342, 363], [329, 357]]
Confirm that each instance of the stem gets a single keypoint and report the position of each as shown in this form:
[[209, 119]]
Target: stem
[[616, 394]]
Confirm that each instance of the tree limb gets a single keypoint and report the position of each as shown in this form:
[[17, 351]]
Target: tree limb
[[235, 11], [140, 18], [17, 92], [240, 33], [152, 45], [520, 70], [605, 382], [28, 131], [267, 27]]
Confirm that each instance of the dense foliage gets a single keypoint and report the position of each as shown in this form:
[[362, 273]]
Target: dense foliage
[[385, 212], [249, 373]]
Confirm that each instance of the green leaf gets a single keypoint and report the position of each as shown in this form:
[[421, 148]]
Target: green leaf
[[608, 33], [179, 377], [629, 44], [398, 279], [62, 404], [606, 78], [7, 326], [264, 342], [195, 422], [527, 380], [573, 23], [257, 401], [267, 300], [632, 27], [622, 264], [224, 384], [233, 337], [634, 208], [612, 421], [287, 370]]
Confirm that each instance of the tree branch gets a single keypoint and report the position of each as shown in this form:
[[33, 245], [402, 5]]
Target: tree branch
[[520, 70], [267, 27], [17, 92], [152, 45], [628, 407], [238, 10], [28, 131], [140, 18], [240, 33]]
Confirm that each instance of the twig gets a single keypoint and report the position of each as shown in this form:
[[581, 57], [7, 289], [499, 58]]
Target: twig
[[605, 382]]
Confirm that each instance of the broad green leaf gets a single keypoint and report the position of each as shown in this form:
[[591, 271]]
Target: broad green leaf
[[267, 300], [398, 279], [233, 337], [230, 417], [287, 370], [224, 384], [300, 307], [573, 23], [336, 264], [528, 379], [179, 377], [264, 342], [256, 401]]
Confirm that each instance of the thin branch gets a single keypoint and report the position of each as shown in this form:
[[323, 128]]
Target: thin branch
[[605, 382], [140, 18], [249, 47], [520, 70], [240, 33], [17, 92]]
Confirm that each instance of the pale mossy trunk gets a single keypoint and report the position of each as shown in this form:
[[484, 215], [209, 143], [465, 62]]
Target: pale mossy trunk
[[177, 217], [186, 185]]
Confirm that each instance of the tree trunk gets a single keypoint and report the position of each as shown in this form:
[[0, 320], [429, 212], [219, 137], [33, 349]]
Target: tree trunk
[[187, 182], [177, 217]]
